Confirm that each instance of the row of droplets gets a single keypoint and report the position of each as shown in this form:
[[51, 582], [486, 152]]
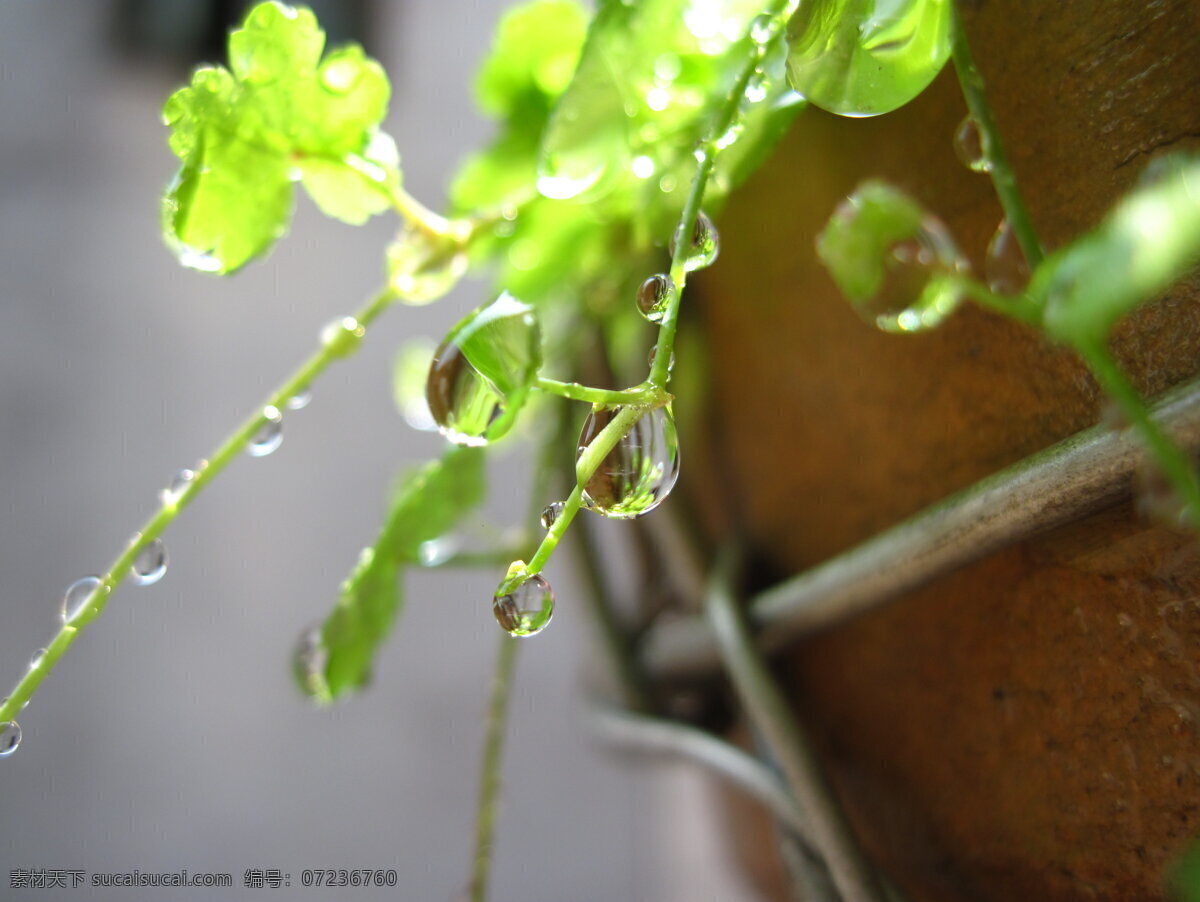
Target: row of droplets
[[150, 562]]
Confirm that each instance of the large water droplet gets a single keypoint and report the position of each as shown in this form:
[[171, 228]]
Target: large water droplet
[[309, 659], [482, 371], [300, 399], [150, 563], [1005, 266], [78, 594], [269, 435], [641, 469], [704, 246], [551, 513], [968, 145], [527, 610], [653, 296], [177, 486], [10, 738]]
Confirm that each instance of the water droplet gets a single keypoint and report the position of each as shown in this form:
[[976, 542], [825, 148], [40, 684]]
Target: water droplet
[[968, 145], [641, 469], [150, 563], [10, 738], [38, 657], [757, 87], [343, 335], [642, 166], [653, 355], [437, 551], [653, 296], [423, 267], [731, 135], [764, 28], [551, 514], [527, 610], [269, 435], [193, 258], [300, 399], [177, 486], [309, 659], [481, 373], [1005, 266], [704, 246], [341, 75], [78, 594]]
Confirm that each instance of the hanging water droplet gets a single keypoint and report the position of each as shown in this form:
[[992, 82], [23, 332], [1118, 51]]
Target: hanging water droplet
[[704, 246], [300, 399], [343, 335], [551, 513], [653, 296], [757, 87], [38, 657], [78, 594], [269, 435], [527, 610], [150, 563], [177, 486], [436, 552], [639, 472], [309, 660], [10, 738], [481, 373], [918, 289], [1005, 267], [968, 145]]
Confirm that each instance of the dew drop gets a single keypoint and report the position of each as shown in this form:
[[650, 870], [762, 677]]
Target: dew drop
[[343, 335], [551, 514], [729, 138], [75, 599], [1005, 266], [177, 486], [764, 28], [150, 564], [653, 355], [653, 295], [639, 472], [757, 87], [309, 660], [300, 399], [38, 657], [436, 552], [269, 435], [527, 610], [968, 146], [704, 246], [10, 738]]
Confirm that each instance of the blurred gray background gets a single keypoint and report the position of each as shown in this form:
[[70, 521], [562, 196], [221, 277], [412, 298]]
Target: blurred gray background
[[171, 735]]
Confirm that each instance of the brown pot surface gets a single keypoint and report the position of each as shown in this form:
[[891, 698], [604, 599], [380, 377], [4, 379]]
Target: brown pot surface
[[1025, 727]]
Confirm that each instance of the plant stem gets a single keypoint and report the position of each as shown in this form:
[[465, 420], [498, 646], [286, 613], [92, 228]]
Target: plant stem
[[493, 758], [345, 342], [1001, 172], [603, 396], [769, 713]]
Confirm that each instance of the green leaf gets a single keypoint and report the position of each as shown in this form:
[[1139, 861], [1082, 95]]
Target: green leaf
[[1184, 876], [428, 504], [281, 115], [894, 262], [1150, 239], [863, 58]]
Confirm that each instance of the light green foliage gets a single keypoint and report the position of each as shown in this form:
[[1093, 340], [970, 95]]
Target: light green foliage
[[282, 114], [1147, 241], [427, 505], [866, 57]]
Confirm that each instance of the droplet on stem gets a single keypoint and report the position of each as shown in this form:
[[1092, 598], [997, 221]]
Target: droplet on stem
[[1005, 267], [704, 246], [269, 435], [968, 146], [177, 486], [653, 295], [342, 335], [527, 610], [150, 564], [300, 399], [551, 513], [10, 738], [653, 355], [78, 594], [38, 657], [309, 659], [639, 472]]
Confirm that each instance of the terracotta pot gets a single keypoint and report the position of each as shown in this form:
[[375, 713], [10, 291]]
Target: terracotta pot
[[1025, 727]]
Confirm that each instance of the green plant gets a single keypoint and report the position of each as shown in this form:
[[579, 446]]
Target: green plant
[[574, 182]]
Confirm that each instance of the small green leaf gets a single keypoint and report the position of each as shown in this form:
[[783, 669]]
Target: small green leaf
[[1150, 239], [896, 263], [428, 504], [283, 114], [863, 58]]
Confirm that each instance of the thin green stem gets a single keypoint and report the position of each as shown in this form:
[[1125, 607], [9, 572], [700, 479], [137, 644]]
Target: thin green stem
[[1169, 456], [339, 342], [1020, 307], [493, 758], [606, 397], [1001, 172], [769, 712]]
